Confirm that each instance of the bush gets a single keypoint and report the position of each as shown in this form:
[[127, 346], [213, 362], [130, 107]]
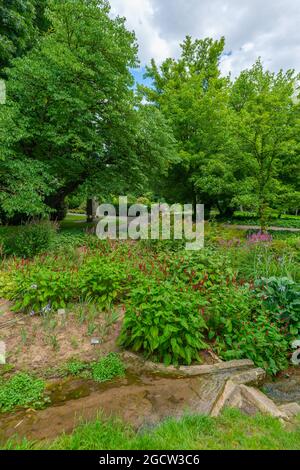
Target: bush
[[242, 328], [22, 390], [228, 307], [39, 289], [259, 340], [165, 324], [102, 281], [281, 296], [29, 240], [108, 368]]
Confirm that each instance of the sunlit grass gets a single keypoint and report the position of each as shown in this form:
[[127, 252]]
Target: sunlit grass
[[232, 431]]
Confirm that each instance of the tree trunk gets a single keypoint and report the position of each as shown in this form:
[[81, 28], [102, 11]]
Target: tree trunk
[[91, 209]]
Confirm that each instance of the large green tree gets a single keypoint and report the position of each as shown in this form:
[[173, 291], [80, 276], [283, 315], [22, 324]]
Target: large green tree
[[78, 119], [21, 23], [265, 126], [194, 98]]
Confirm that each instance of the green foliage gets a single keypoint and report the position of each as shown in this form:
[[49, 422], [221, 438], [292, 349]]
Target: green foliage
[[258, 339], [165, 323], [241, 328], [232, 430], [264, 126], [77, 368], [40, 289], [101, 281], [21, 22], [279, 259], [108, 368], [21, 390], [30, 240], [281, 297], [71, 120]]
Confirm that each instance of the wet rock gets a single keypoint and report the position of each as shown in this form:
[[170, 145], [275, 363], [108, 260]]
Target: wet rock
[[229, 398], [284, 389], [290, 409], [250, 377], [255, 399]]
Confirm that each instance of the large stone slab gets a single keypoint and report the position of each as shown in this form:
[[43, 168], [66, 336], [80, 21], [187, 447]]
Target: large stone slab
[[290, 409], [138, 365], [257, 400], [250, 377]]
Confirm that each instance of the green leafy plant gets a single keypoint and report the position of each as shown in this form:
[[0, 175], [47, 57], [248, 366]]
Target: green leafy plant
[[29, 240], [76, 368], [259, 340], [241, 328], [108, 368], [228, 306], [281, 297], [40, 289], [101, 281], [165, 324], [22, 390]]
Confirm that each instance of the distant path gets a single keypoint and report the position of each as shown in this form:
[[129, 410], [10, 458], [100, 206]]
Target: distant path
[[257, 227]]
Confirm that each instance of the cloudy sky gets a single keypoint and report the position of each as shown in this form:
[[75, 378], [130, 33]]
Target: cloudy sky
[[266, 28]]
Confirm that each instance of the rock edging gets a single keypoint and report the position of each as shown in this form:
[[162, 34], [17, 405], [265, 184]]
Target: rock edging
[[137, 364], [240, 378]]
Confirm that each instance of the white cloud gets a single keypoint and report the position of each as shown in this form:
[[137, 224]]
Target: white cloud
[[140, 15], [252, 28]]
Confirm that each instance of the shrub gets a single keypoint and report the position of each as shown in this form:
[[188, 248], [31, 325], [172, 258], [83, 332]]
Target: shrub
[[31, 239], [108, 368], [241, 328], [39, 289], [259, 340], [164, 323], [228, 307], [102, 280], [22, 390], [7, 284], [281, 297]]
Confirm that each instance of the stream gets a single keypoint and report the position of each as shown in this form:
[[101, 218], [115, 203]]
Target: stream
[[139, 400], [285, 388], [142, 401]]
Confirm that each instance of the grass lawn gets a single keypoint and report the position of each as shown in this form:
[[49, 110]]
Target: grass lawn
[[232, 431]]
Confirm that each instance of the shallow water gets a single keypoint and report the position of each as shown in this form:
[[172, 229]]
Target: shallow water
[[140, 401], [285, 388]]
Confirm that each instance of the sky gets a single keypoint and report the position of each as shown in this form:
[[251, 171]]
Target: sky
[[269, 29]]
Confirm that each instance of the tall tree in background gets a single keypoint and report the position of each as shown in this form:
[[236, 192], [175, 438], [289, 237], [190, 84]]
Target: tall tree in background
[[266, 119], [78, 120], [21, 22], [194, 98]]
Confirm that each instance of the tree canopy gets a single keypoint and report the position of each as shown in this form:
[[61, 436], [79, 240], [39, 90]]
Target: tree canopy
[[72, 114], [237, 139], [74, 120]]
